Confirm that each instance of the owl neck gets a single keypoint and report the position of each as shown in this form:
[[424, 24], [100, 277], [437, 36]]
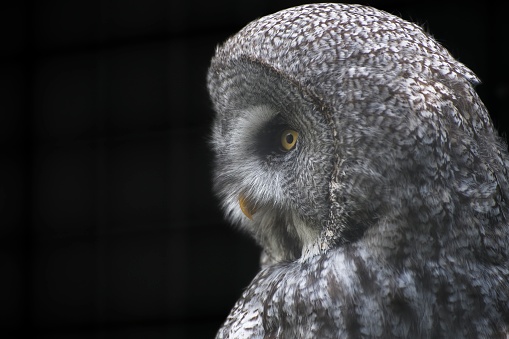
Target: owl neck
[[420, 212]]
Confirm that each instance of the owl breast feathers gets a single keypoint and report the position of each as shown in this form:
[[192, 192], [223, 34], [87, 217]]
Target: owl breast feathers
[[354, 149]]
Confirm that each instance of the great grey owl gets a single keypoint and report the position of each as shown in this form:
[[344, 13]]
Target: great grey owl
[[354, 149]]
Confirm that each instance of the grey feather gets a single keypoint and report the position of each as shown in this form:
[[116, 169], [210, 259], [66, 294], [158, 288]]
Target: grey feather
[[388, 217]]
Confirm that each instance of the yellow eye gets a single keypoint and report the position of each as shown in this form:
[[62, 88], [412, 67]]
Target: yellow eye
[[289, 139]]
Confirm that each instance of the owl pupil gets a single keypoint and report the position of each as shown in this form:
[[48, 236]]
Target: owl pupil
[[289, 139]]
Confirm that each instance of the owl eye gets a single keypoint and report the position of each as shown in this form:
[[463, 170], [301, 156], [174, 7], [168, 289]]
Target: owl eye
[[274, 139], [289, 139]]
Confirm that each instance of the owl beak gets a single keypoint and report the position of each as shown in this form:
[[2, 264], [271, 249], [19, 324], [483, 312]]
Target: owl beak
[[246, 207]]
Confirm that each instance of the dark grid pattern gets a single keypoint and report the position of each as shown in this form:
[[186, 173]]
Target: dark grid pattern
[[108, 224]]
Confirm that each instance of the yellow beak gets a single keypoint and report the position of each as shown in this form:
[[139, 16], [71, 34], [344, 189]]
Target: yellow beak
[[246, 207]]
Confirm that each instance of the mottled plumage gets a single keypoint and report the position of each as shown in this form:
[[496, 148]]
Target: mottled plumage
[[370, 174]]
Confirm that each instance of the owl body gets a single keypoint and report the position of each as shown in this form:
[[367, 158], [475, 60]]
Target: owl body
[[355, 150]]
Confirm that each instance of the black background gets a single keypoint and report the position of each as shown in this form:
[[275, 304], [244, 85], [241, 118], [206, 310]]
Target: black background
[[108, 227]]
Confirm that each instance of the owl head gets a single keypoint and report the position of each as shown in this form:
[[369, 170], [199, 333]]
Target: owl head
[[341, 123]]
